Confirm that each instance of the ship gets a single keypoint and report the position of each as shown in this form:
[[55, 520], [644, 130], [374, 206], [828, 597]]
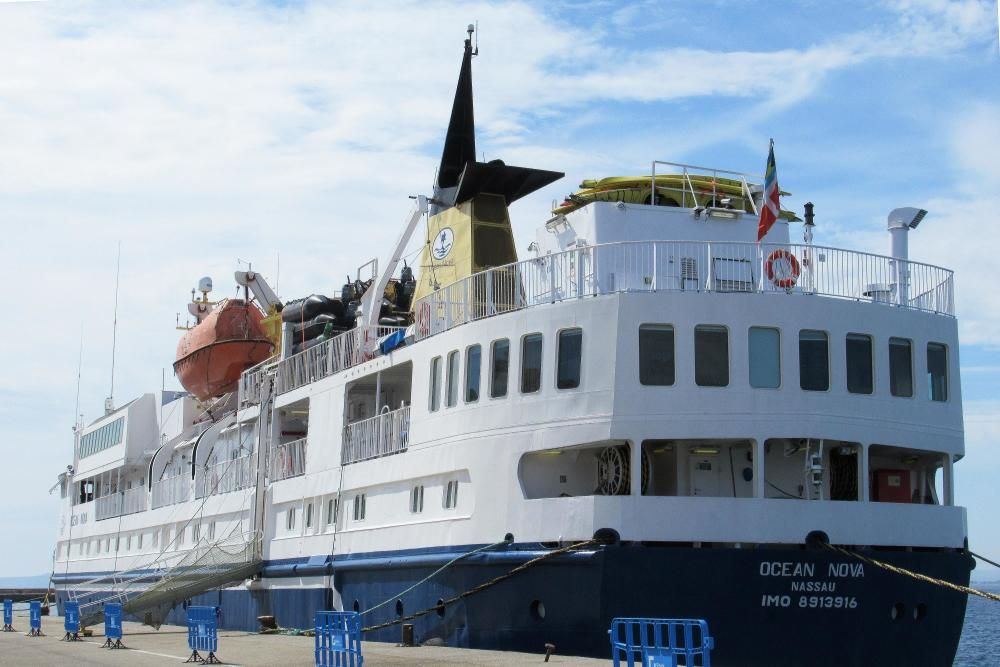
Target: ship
[[652, 414]]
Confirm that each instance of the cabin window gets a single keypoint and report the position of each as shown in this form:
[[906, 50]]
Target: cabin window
[[711, 355], [290, 519], [569, 356], [472, 369], [417, 499], [156, 539], [309, 515], [764, 345], [900, 367], [499, 367], [211, 533], [359, 507], [656, 354], [937, 372], [195, 533], [451, 495], [531, 363], [814, 360], [331, 511], [451, 395], [860, 369], [435, 398]]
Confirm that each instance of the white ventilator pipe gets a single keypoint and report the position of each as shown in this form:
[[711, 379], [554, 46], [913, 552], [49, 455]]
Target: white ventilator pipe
[[901, 221]]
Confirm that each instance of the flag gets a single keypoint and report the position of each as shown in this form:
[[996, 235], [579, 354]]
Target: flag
[[771, 205]]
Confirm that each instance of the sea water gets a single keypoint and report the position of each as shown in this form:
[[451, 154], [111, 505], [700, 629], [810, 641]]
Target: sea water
[[980, 644]]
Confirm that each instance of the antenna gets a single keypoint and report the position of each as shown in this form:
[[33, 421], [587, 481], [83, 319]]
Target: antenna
[[109, 404], [77, 422], [474, 29]]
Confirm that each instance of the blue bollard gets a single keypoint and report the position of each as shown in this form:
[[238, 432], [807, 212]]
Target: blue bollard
[[113, 625], [203, 634]]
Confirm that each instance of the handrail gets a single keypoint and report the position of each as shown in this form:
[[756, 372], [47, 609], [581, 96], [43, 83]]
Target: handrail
[[222, 477], [288, 460], [385, 433], [690, 266]]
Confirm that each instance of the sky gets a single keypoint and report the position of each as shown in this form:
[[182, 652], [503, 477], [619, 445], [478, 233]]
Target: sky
[[291, 134]]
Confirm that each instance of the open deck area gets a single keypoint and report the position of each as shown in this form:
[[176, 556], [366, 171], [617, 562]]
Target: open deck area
[[169, 646]]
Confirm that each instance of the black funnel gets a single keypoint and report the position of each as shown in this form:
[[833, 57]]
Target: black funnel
[[460, 142]]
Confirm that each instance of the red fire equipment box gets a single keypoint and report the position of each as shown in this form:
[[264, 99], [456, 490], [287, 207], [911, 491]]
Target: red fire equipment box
[[892, 486]]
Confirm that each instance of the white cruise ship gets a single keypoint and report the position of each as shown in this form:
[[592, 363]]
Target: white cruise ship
[[680, 416]]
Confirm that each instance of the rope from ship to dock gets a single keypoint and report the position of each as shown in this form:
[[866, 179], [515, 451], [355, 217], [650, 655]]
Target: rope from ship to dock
[[486, 584], [916, 575]]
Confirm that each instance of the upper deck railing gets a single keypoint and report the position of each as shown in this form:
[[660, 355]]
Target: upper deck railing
[[692, 266], [381, 435]]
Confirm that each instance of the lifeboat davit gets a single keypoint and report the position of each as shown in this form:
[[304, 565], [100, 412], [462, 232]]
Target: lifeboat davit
[[212, 355]]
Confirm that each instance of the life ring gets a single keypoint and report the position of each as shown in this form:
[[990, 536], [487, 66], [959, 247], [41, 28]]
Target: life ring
[[784, 280], [424, 319]]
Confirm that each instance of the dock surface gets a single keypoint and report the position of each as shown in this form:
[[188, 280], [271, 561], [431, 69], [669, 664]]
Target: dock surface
[[168, 645]]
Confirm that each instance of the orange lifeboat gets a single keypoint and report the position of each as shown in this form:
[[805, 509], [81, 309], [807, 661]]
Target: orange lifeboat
[[212, 355]]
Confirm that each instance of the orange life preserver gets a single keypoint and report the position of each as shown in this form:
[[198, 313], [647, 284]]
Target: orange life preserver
[[424, 319], [784, 282]]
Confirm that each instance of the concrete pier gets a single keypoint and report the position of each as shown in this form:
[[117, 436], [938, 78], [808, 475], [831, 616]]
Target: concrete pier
[[169, 646]]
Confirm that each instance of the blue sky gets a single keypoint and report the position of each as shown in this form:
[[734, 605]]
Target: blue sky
[[199, 134]]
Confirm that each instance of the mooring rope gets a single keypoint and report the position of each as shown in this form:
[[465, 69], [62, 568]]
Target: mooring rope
[[915, 575], [486, 584]]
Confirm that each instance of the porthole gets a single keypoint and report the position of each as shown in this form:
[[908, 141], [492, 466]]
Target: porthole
[[897, 611], [920, 612], [537, 610]]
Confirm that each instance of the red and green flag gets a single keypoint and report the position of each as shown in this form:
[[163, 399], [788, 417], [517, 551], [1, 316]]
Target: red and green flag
[[771, 206]]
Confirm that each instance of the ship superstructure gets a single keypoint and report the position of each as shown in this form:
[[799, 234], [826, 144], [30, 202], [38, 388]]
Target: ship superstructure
[[711, 409]]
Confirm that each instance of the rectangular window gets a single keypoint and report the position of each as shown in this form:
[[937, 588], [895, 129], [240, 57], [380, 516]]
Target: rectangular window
[[435, 401], [860, 368], [814, 360], [569, 353], [290, 519], [417, 499], [451, 495], [359, 507], [499, 367], [309, 515], [711, 355], [531, 363], [128, 543], [195, 533], [765, 357], [180, 537], [211, 531], [451, 399], [656, 354], [900, 367], [472, 368], [156, 539], [138, 545], [937, 372], [331, 511]]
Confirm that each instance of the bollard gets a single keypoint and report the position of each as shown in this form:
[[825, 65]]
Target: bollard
[[407, 634], [71, 621], [549, 648], [113, 625], [202, 634], [35, 619], [8, 616]]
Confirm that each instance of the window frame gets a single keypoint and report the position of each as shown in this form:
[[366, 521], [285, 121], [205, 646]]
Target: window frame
[[559, 359], [434, 398], [541, 362], [417, 499], [847, 362], [945, 374], [359, 507], [290, 519], [453, 379], [761, 327], [729, 355], [829, 378], [909, 366], [332, 509], [656, 326], [450, 499], [479, 373], [493, 366]]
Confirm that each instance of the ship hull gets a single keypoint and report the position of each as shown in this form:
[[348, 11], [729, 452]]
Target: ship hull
[[775, 606]]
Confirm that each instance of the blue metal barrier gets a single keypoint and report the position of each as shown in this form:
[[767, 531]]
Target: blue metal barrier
[[202, 634], [35, 619], [338, 639], [660, 642], [113, 625], [71, 621], [8, 616]]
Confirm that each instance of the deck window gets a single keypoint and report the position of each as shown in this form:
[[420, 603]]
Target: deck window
[[451, 495], [859, 364], [531, 363], [499, 367], [309, 515], [290, 519], [435, 398], [569, 354], [814, 360], [656, 354], [417, 499], [359, 507], [764, 345], [473, 362], [900, 367], [451, 399], [937, 372], [331, 511], [711, 355]]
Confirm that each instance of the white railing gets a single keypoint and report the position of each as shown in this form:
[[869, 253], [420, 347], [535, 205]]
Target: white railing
[[699, 266], [251, 381], [288, 460], [222, 477], [344, 351], [171, 490], [120, 503], [384, 434]]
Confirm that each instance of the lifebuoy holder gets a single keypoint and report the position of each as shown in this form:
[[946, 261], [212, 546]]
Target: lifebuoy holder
[[784, 281]]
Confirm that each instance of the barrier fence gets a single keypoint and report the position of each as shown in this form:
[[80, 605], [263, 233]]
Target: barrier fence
[[203, 634], [661, 642], [338, 639]]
